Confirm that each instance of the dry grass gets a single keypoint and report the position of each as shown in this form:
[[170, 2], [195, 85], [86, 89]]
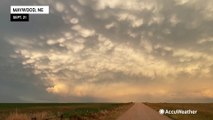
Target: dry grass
[[56, 111], [114, 114], [24, 116], [18, 116]]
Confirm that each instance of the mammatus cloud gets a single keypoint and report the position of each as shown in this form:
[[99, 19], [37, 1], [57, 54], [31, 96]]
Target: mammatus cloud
[[145, 50]]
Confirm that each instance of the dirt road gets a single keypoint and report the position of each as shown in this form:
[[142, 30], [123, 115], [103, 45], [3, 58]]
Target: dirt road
[[140, 111]]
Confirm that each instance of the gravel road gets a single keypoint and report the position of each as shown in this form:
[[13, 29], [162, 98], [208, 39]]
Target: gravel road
[[139, 111]]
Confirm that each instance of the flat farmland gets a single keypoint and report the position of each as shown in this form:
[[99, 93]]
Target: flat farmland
[[62, 111], [204, 110]]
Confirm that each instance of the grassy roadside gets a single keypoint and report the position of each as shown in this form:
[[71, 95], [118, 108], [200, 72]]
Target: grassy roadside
[[205, 110], [114, 114], [80, 111]]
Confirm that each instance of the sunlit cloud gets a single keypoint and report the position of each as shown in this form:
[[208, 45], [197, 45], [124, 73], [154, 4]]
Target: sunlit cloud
[[145, 50]]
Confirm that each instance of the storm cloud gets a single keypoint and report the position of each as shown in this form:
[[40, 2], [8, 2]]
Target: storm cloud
[[98, 50]]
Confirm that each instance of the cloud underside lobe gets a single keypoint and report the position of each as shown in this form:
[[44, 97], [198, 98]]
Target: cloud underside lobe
[[141, 50]]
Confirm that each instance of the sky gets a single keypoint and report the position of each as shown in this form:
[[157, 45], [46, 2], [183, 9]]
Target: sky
[[108, 51]]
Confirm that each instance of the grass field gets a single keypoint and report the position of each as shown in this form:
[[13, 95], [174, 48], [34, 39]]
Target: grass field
[[65, 111], [205, 110]]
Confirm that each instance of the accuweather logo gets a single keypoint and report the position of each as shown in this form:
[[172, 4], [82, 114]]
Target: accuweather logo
[[177, 111], [161, 111]]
